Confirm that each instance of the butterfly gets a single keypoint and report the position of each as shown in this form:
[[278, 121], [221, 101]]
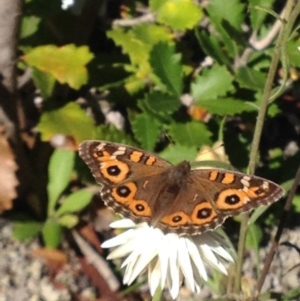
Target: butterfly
[[146, 188]]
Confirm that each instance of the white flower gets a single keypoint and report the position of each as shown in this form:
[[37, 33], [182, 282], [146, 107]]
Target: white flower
[[169, 257]]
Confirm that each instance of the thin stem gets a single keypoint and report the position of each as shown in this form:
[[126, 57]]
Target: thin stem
[[256, 138], [275, 243]]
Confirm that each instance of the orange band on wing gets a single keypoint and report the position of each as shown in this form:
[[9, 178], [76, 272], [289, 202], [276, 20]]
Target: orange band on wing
[[124, 194], [136, 156], [114, 171], [150, 161], [203, 213], [230, 199], [176, 219], [213, 175], [140, 208], [228, 178], [101, 156]]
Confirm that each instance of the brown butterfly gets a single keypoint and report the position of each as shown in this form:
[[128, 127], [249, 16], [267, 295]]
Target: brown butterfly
[[146, 188]]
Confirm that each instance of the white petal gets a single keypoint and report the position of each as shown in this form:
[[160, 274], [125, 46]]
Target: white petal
[[173, 278], [119, 239], [223, 253], [144, 251], [163, 254], [123, 250], [154, 276], [211, 259], [185, 263], [141, 262], [123, 223], [194, 253]]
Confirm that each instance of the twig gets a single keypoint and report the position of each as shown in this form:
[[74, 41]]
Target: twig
[[268, 39], [147, 18]]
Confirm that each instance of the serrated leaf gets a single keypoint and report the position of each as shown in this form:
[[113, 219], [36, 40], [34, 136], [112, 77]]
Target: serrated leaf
[[162, 103], [151, 34], [233, 11], [67, 64], [137, 43], [146, 130], [257, 15], [226, 106], [75, 202], [221, 17], [26, 230], [178, 153], [212, 84], [69, 120], [51, 233], [137, 50], [179, 14], [167, 67], [250, 78], [60, 170], [190, 134]]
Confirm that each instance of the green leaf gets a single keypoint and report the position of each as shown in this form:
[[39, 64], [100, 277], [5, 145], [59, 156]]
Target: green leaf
[[162, 103], [137, 43], [257, 213], [226, 106], [250, 78], [212, 47], [227, 20], [25, 230], [69, 120], [60, 170], [138, 50], [179, 14], [66, 64], [151, 34], [190, 134], [69, 220], [29, 25], [167, 67], [254, 236], [257, 15], [110, 133], [43, 81], [212, 84], [293, 53], [52, 233], [296, 203], [273, 110], [178, 153], [146, 130], [75, 202], [233, 12]]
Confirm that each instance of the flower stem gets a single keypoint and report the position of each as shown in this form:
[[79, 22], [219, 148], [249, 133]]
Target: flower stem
[[282, 39]]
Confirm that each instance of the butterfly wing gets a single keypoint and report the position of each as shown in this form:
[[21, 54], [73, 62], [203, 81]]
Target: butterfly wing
[[209, 196], [125, 173], [144, 187]]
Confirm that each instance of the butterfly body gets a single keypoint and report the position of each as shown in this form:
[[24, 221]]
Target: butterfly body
[[145, 187]]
